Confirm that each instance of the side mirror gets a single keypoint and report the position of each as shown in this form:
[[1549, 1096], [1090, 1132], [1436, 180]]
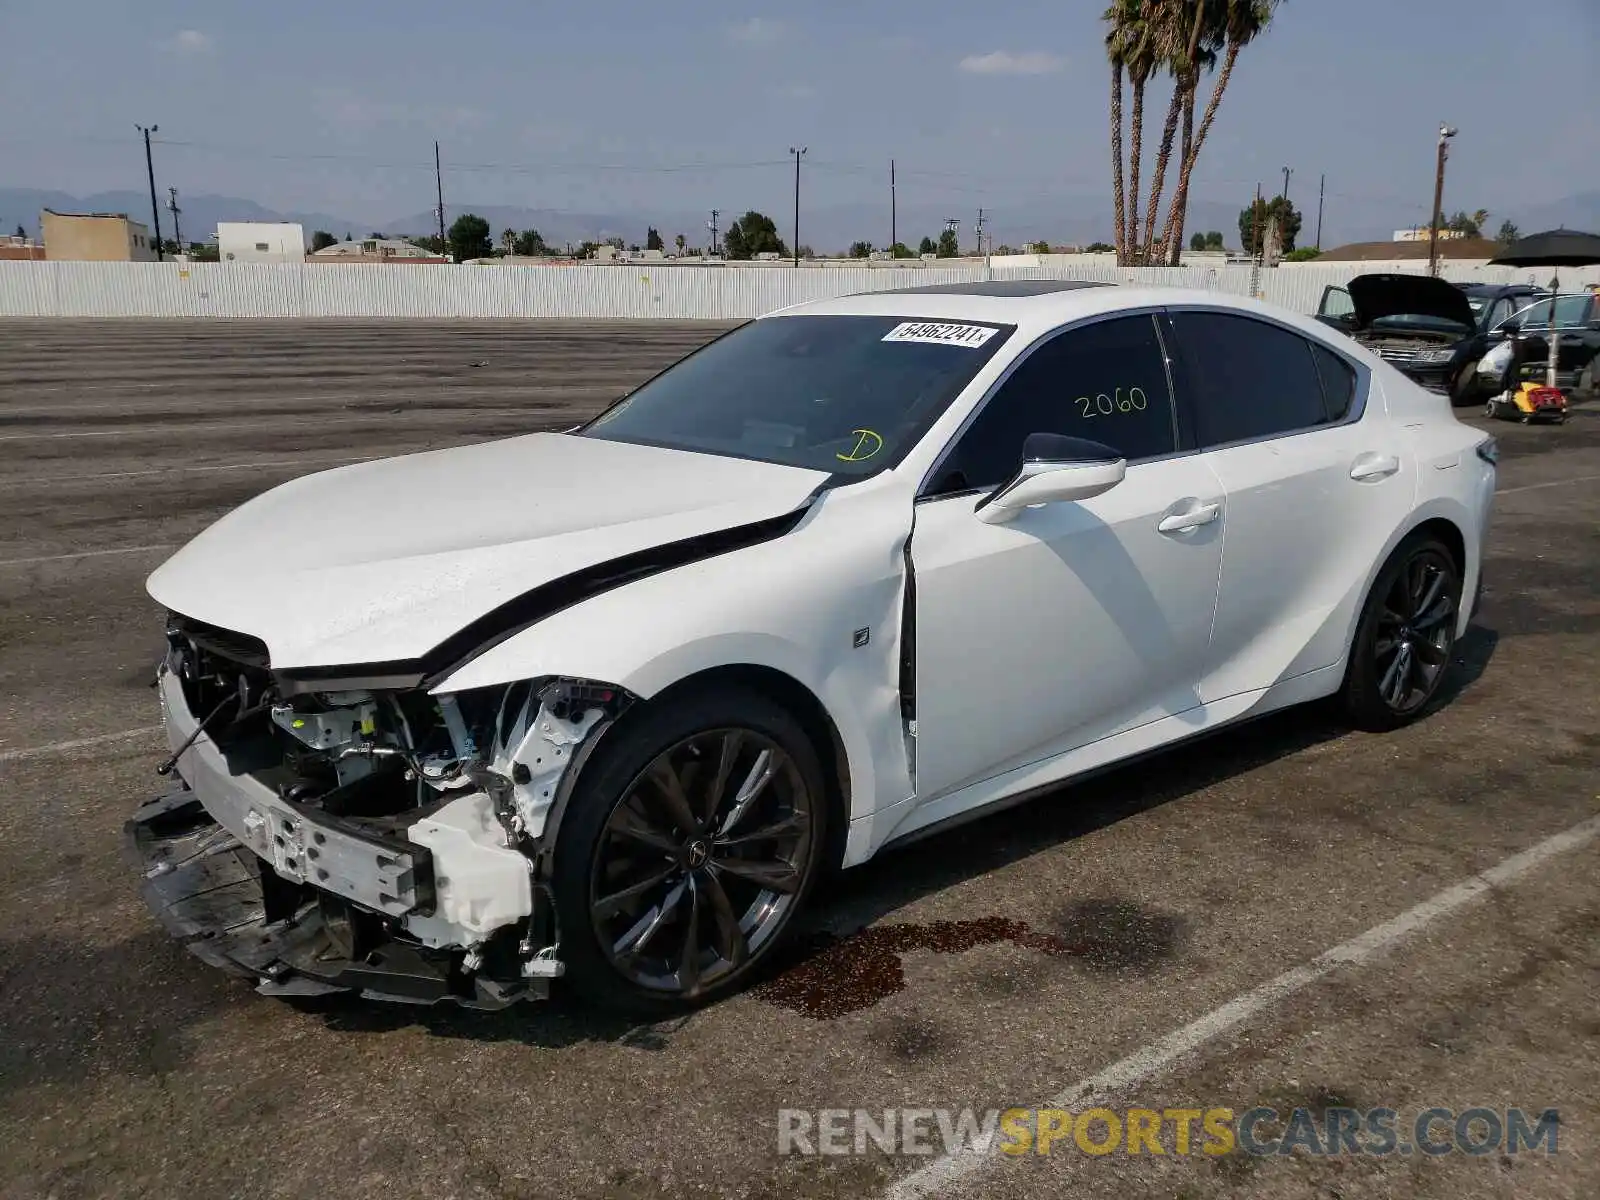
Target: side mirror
[[1511, 328], [1054, 467]]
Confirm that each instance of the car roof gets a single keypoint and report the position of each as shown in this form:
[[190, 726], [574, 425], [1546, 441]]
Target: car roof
[[1487, 289], [1037, 310]]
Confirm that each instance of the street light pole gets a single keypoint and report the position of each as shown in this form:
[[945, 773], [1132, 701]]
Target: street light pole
[[797, 154], [150, 170], [1322, 185], [1445, 134]]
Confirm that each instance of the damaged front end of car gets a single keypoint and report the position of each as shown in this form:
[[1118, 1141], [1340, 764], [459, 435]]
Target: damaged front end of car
[[361, 834]]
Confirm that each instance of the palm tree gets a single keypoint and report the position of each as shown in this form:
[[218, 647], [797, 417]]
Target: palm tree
[[1238, 22], [1175, 42], [1141, 54], [681, 242], [508, 241], [1114, 53]]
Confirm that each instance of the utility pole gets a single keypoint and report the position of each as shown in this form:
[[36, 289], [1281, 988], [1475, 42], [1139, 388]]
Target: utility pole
[[438, 182], [1286, 173], [150, 170], [980, 231], [712, 225], [797, 155], [1322, 183], [172, 205], [894, 239], [1445, 134]]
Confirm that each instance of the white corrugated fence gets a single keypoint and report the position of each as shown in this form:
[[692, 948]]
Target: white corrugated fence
[[243, 290]]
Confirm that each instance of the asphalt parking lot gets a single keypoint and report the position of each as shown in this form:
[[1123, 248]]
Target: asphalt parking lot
[[1089, 937]]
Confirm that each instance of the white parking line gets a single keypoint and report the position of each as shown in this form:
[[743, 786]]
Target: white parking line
[[245, 466], [1533, 487], [1139, 1066], [44, 558], [104, 739]]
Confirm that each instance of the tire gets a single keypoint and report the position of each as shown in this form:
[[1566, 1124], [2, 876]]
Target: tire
[[625, 871], [1399, 632], [1491, 409]]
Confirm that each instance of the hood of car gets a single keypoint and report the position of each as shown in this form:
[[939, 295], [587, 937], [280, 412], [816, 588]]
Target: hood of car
[[1375, 297], [383, 561]]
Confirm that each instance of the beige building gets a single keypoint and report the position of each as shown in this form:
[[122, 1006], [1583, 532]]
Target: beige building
[[95, 237]]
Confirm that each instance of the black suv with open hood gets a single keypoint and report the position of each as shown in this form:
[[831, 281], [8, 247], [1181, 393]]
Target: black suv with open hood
[[1422, 325]]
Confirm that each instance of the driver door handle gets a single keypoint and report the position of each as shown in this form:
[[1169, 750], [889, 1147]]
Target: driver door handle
[[1372, 465], [1189, 518]]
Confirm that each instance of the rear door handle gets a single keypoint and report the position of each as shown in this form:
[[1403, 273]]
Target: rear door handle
[[1189, 518], [1373, 465]]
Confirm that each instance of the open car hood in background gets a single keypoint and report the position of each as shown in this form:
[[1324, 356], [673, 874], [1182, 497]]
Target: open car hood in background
[[1375, 297]]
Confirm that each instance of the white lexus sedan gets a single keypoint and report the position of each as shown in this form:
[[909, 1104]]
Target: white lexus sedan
[[606, 704]]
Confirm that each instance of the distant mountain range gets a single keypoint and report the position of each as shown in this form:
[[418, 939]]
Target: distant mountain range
[[831, 228]]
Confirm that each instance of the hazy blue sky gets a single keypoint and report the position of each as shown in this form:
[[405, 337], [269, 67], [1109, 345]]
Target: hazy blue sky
[[334, 105]]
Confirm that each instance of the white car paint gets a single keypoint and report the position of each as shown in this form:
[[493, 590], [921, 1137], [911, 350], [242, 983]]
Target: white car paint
[[383, 560], [1067, 638]]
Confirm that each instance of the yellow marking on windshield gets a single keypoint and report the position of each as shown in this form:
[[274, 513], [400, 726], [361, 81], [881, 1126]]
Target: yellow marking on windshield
[[867, 444]]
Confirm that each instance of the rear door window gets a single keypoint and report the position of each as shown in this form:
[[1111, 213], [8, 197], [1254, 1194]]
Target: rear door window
[[1247, 379], [1106, 382], [1338, 380]]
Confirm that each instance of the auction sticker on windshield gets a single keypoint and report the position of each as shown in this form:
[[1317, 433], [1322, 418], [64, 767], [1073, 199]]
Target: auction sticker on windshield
[[970, 336]]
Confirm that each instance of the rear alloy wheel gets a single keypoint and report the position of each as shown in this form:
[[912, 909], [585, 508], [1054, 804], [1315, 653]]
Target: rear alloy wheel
[[1405, 638], [692, 862]]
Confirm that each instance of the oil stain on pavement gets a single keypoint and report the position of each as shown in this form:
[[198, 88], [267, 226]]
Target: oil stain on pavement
[[832, 976]]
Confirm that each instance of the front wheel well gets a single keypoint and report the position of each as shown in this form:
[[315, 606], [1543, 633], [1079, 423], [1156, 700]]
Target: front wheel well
[[803, 704]]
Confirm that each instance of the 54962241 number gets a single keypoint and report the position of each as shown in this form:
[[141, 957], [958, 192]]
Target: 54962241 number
[[1103, 405]]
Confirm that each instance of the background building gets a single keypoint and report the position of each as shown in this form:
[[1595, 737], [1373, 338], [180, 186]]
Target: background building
[[24, 249], [260, 241], [95, 237], [374, 250]]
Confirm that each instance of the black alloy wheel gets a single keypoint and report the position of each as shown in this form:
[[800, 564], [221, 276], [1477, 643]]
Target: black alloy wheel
[[700, 861], [1406, 636], [693, 841]]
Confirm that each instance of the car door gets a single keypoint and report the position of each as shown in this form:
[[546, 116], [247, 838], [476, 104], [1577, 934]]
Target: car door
[[1316, 478], [1076, 619]]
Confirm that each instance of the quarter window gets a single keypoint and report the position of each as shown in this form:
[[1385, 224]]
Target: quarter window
[[1248, 379], [1338, 382], [1106, 382]]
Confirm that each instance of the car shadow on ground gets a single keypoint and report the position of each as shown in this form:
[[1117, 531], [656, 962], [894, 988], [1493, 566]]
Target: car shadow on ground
[[853, 905]]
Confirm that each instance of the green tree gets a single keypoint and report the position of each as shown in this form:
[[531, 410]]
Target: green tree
[[22, 234], [469, 238], [1197, 242], [926, 246], [508, 242], [1507, 233], [1039, 247], [752, 234], [429, 242], [1214, 240], [1468, 224], [529, 244], [1254, 217], [322, 239], [901, 250], [652, 239], [948, 247], [1098, 248], [860, 249], [680, 242], [1303, 254]]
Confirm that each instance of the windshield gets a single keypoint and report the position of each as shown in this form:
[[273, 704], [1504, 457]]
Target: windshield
[[1571, 312], [847, 394]]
